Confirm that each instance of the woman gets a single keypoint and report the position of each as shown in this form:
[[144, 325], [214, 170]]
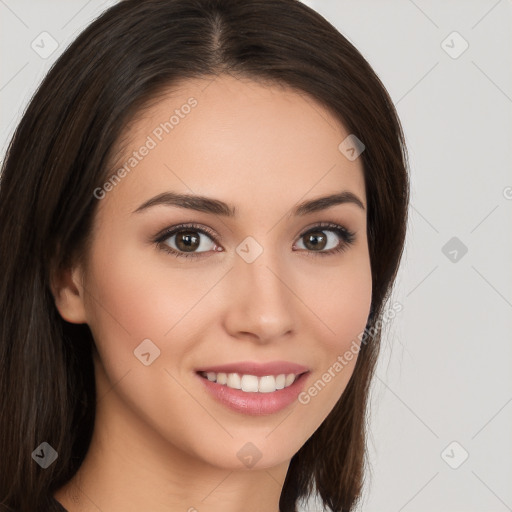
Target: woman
[[202, 214]]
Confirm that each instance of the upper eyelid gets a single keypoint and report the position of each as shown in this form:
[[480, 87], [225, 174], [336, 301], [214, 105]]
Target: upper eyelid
[[171, 231]]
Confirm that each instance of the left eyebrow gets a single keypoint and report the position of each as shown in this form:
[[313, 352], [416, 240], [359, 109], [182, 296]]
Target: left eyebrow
[[217, 207], [322, 203]]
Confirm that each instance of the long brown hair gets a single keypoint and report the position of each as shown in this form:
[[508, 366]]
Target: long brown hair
[[60, 153]]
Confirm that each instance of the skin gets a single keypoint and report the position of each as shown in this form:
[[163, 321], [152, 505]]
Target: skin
[[160, 441]]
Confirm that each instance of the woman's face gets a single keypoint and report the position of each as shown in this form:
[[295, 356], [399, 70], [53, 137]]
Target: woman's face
[[263, 286]]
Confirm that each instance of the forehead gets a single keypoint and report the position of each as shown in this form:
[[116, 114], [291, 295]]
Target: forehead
[[244, 142]]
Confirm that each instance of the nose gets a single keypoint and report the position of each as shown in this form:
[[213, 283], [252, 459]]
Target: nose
[[261, 303]]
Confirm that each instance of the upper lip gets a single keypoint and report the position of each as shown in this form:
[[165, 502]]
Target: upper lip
[[257, 369]]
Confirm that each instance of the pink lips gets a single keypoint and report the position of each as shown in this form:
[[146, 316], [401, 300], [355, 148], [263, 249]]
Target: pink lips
[[255, 403], [257, 369]]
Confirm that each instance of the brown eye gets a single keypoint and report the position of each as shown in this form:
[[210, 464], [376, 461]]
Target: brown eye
[[315, 240], [323, 240], [187, 241]]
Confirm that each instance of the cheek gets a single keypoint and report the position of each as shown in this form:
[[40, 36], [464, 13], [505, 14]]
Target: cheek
[[124, 305], [343, 301], [135, 296]]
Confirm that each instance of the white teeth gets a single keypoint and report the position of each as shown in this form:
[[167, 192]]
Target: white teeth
[[222, 378], [251, 383], [267, 384], [289, 379], [280, 381], [233, 381]]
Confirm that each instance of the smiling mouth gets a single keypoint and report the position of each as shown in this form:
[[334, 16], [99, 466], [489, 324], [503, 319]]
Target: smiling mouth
[[252, 383]]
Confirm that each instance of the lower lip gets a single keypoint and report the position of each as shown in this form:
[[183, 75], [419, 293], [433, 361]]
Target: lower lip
[[255, 404]]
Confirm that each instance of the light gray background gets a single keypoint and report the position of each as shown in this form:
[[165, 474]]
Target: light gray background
[[445, 370]]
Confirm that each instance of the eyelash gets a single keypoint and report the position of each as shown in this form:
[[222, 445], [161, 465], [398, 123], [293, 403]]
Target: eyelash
[[347, 238]]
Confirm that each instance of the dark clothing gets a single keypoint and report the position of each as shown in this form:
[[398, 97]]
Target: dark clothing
[[55, 506]]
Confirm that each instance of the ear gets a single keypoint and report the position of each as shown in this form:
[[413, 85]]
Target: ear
[[68, 292]]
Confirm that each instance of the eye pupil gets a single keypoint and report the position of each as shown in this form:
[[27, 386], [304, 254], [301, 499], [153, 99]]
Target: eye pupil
[[187, 241], [319, 240]]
